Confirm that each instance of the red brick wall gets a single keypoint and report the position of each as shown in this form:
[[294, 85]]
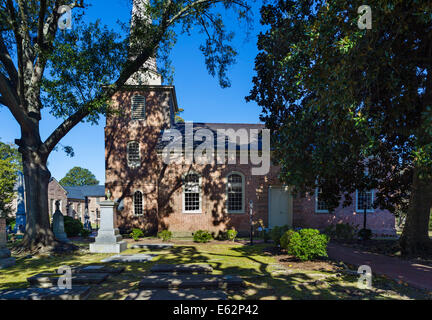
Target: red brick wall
[[304, 215], [56, 192], [157, 182]]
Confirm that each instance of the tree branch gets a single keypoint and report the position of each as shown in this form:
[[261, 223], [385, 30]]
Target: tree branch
[[6, 59]]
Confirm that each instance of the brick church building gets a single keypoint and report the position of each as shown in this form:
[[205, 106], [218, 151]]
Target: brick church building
[[184, 198]]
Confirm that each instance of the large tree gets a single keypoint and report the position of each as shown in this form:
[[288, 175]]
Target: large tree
[[351, 108], [74, 73], [78, 176]]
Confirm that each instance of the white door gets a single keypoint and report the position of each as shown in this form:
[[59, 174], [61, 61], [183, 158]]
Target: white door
[[280, 207]]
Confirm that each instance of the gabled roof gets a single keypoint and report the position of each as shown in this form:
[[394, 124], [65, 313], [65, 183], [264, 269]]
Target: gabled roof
[[80, 192]]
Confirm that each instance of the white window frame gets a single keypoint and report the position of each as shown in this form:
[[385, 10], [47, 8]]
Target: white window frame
[[372, 201], [316, 203], [184, 194], [243, 192], [145, 105], [133, 164], [142, 203]]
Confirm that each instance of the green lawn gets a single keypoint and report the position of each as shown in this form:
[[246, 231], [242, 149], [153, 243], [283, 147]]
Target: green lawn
[[265, 277]]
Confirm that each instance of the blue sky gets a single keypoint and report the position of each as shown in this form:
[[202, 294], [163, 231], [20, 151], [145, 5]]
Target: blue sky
[[198, 93]]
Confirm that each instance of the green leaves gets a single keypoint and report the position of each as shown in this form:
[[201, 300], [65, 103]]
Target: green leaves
[[78, 176], [10, 163], [339, 99]]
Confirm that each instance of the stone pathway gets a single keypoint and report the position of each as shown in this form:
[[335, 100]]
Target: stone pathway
[[184, 282], [417, 275]]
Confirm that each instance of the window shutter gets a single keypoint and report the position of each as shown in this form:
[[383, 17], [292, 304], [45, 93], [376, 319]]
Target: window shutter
[[138, 107]]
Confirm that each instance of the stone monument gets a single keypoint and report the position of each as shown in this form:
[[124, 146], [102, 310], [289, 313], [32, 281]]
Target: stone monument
[[21, 213], [58, 224], [108, 239], [5, 257]]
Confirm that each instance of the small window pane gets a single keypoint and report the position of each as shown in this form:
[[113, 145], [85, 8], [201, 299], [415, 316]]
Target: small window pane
[[321, 204], [192, 192], [133, 155], [364, 199], [235, 192], [138, 107], [138, 203]]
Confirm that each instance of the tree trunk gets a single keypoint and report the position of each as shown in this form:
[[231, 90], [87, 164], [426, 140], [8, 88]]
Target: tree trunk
[[415, 238], [38, 235]]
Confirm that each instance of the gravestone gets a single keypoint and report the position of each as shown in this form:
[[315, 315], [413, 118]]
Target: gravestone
[[21, 213], [108, 239], [58, 224], [5, 257]]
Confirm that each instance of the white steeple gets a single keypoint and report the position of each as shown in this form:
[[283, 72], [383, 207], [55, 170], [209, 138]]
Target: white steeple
[[142, 76]]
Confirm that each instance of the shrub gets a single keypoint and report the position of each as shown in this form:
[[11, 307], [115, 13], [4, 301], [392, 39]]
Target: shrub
[[136, 234], [85, 233], [73, 227], [365, 234], [277, 232], [202, 236], [165, 235], [231, 234], [307, 244], [341, 231], [285, 239]]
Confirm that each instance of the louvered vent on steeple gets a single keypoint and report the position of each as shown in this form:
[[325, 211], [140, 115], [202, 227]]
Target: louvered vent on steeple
[[138, 107]]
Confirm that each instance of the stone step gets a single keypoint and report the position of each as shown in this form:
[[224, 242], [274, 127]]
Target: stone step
[[130, 258], [185, 294], [98, 269], [152, 246], [181, 268], [46, 280], [54, 293], [168, 281]]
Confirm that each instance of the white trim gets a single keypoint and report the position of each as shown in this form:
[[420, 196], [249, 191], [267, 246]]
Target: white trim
[[362, 210], [316, 203], [142, 202], [243, 192], [199, 192]]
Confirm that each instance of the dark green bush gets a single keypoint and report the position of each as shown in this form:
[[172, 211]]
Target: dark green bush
[[231, 234], [285, 239], [341, 231], [85, 233], [73, 227], [307, 244], [202, 236], [136, 234], [277, 232], [365, 234], [165, 235]]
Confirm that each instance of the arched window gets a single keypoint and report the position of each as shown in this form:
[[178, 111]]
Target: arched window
[[133, 154], [235, 193], [138, 107], [192, 193], [138, 203]]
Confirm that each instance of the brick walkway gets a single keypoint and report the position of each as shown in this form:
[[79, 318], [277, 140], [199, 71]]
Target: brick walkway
[[417, 275]]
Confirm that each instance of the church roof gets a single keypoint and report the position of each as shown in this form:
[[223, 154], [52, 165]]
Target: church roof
[[213, 128], [80, 192]]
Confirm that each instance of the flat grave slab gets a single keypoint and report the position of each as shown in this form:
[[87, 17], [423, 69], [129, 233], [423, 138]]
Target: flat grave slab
[[7, 262], [168, 281], [46, 280], [98, 269], [152, 246], [54, 293], [130, 258], [181, 268], [185, 294]]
